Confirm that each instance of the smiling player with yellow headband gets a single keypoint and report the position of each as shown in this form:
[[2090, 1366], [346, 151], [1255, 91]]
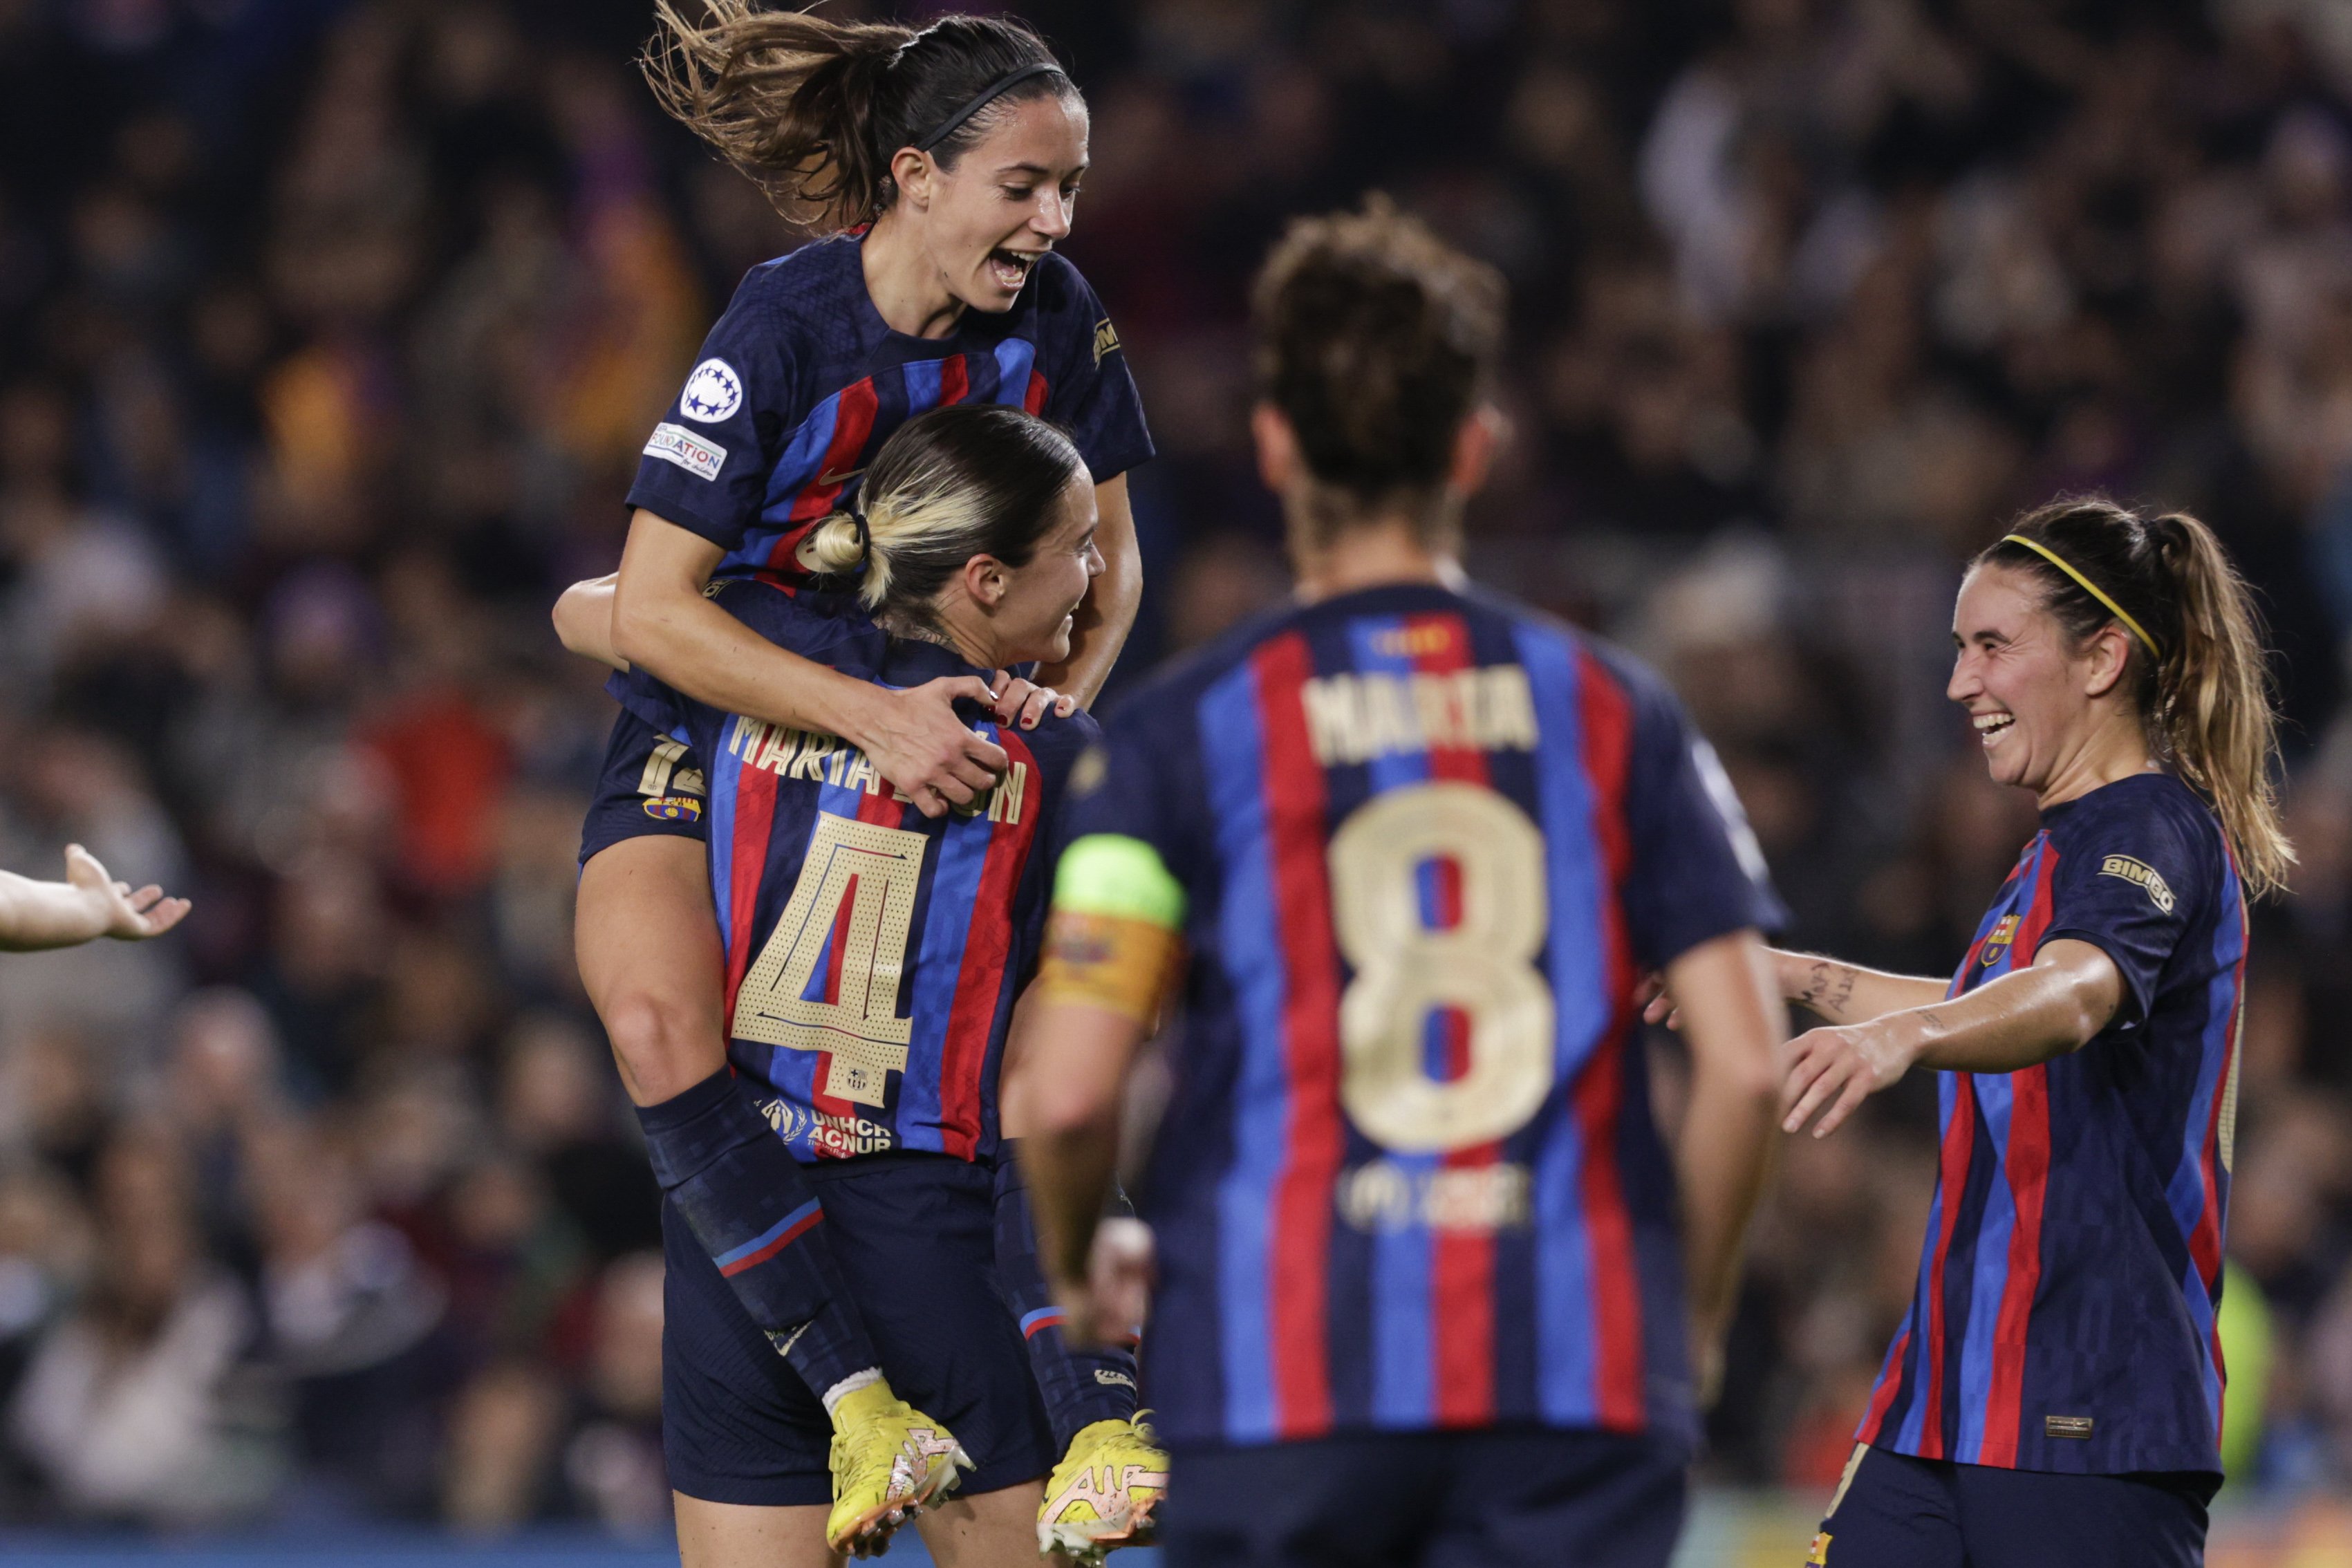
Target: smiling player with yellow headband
[[2054, 1395]]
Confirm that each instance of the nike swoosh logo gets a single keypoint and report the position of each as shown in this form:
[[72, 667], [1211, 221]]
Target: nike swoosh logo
[[840, 479]]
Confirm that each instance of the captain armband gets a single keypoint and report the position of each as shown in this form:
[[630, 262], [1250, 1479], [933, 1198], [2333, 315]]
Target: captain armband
[[1117, 936]]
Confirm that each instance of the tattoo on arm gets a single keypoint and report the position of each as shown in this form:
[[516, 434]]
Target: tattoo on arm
[[1828, 988]]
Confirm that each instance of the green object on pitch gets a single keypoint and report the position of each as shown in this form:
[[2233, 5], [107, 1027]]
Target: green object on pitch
[[2248, 1342]]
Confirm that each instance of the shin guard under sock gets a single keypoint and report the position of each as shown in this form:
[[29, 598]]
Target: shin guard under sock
[[1081, 1385], [753, 1210]]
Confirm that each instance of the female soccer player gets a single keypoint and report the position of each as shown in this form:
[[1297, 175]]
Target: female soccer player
[[1430, 1282], [947, 161], [871, 957], [2054, 1395]]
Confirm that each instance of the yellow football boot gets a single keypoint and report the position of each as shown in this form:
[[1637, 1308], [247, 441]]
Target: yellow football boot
[[890, 1461], [1101, 1496]]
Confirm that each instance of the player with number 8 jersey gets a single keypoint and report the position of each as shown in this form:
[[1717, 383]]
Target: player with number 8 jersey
[[1421, 1256]]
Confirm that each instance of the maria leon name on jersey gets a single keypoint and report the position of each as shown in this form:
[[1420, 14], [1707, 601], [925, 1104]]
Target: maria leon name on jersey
[[2131, 870], [827, 759], [1354, 717]]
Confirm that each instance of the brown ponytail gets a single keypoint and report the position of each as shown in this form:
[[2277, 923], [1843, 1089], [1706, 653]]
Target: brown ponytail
[[2204, 692], [813, 111]]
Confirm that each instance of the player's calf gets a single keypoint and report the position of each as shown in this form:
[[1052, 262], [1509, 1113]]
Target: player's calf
[[1082, 1385]]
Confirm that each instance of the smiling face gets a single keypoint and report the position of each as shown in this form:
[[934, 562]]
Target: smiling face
[[1032, 610], [1007, 200], [2035, 701]]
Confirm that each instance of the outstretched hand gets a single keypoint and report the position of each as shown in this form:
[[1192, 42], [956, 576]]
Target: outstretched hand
[[126, 913]]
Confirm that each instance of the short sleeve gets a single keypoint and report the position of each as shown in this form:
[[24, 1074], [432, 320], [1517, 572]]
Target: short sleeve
[[705, 466], [1089, 391], [1696, 871], [2130, 884]]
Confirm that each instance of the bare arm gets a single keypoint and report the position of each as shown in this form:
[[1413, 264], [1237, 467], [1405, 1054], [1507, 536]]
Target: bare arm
[[662, 620], [1065, 1088], [1736, 1026], [1107, 614], [86, 905], [2021, 1020], [1847, 992], [583, 620]]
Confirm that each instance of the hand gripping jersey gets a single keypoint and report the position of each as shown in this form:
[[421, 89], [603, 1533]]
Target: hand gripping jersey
[[2064, 1315], [1425, 845], [873, 953], [800, 382]]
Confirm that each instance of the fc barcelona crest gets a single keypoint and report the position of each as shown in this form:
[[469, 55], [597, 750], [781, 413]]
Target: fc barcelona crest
[[1997, 942]]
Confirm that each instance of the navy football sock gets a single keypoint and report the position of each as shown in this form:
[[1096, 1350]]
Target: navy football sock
[[752, 1209], [1081, 1386]]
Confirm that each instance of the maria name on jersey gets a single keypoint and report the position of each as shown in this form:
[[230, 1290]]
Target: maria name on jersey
[[828, 759], [1353, 719]]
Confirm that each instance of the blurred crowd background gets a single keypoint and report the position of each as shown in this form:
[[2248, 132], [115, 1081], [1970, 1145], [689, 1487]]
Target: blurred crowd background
[[329, 330]]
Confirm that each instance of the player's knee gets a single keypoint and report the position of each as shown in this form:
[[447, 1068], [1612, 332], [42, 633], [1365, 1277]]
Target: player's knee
[[664, 1045]]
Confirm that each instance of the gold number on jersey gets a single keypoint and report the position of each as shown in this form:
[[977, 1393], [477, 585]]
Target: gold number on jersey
[[861, 1034], [1484, 965]]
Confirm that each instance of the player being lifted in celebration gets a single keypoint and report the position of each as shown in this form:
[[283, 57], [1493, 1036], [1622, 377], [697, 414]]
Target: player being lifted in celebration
[[1424, 1293], [947, 160], [872, 955], [2054, 1395]]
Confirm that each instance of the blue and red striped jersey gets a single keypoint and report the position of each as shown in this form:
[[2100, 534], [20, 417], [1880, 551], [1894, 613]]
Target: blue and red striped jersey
[[2064, 1313], [872, 953], [800, 382], [1409, 1178]]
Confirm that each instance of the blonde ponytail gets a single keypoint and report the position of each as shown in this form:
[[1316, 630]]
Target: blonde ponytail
[[970, 479], [838, 547], [2215, 715]]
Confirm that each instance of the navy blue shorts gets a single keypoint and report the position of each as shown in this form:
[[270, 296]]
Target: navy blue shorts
[[1894, 1512], [651, 784], [915, 1237], [1493, 1498]]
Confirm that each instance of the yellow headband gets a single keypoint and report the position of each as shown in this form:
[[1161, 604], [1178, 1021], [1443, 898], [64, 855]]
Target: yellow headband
[[2089, 587]]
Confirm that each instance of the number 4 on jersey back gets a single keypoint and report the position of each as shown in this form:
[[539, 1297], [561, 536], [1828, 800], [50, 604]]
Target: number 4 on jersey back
[[855, 902]]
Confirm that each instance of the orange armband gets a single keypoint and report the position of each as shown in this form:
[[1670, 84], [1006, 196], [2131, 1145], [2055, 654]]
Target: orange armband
[[1115, 941]]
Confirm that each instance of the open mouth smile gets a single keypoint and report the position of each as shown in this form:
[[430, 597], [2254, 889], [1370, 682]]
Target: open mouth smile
[[1989, 727], [1009, 269]]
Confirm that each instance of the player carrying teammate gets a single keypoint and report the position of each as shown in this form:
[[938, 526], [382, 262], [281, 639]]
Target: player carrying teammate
[[872, 957], [1424, 1292], [948, 160], [2054, 1395]]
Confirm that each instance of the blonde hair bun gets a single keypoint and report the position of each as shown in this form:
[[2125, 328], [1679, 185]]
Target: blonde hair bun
[[833, 546]]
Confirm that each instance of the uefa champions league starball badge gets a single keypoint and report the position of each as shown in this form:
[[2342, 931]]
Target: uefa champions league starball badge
[[713, 393]]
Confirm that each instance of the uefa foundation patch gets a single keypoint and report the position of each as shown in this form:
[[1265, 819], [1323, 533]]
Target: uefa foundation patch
[[677, 444]]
